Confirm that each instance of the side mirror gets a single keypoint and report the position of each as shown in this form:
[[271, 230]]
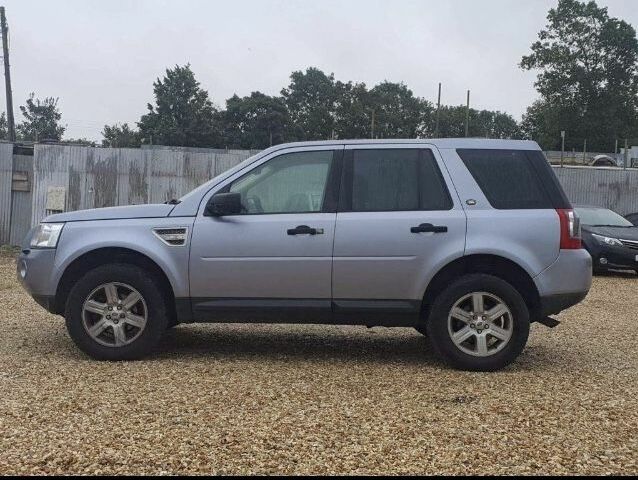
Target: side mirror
[[223, 204]]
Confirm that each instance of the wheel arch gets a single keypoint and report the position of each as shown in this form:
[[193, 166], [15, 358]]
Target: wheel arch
[[102, 256], [495, 265]]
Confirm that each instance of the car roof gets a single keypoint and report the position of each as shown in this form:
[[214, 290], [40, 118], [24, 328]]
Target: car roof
[[442, 143]]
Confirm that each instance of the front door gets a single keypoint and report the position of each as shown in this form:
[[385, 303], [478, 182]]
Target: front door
[[276, 257], [399, 222]]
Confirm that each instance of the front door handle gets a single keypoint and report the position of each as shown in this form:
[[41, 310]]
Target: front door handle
[[429, 228], [305, 230]]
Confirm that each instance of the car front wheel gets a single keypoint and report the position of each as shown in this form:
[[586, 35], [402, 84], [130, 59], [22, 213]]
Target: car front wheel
[[116, 312], [480, 323]]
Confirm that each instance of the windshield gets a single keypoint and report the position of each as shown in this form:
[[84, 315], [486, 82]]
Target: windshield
[[601, 217]]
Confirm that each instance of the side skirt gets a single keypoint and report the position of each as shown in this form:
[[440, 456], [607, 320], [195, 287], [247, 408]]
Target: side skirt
[[390, 313]]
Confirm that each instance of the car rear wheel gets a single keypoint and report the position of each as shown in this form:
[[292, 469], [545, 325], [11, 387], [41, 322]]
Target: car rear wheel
[[116, 312], [480, 323]]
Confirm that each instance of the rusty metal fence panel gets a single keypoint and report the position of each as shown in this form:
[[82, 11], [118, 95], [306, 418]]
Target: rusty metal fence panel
[[608, 187], [21, 198], [101, 177], [6, 179]]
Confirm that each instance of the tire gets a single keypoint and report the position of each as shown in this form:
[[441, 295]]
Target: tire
[[422, 329], [137, 341], [476, 354]]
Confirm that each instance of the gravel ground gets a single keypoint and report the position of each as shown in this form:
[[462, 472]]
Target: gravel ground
[[300, 399]]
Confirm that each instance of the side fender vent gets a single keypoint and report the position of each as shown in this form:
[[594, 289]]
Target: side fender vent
[[175, 236]]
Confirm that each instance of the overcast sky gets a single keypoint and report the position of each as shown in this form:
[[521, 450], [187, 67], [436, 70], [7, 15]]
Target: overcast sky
[[101, 57]]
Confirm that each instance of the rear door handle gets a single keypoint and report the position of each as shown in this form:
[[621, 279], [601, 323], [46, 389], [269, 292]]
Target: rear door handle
[[305, 230], [429, 228]]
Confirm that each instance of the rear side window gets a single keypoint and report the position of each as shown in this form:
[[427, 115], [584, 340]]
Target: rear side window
[[514, 179], [396, 180]]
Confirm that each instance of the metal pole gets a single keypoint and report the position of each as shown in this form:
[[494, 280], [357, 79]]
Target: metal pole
[[372, 127], [585, 152], [467, 116], [7, 76], [616, 147], [562, 149], [438, 112], [626, 153]]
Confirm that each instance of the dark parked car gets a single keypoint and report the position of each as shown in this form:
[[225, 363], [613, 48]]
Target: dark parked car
[[633, 218], [610, 239]]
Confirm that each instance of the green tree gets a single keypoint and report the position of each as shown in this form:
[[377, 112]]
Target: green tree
[[257, 121], [352, 110], [588, 80], [120, 136], [310, 99], [42, 120], [80, 141], [397, 112], [183, 115], [483, 123]]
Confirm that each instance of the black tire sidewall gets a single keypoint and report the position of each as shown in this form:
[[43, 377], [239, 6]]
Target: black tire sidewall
[[438, 323], [144, 283]]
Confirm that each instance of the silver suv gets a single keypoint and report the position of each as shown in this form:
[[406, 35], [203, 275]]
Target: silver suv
[[468, 241]]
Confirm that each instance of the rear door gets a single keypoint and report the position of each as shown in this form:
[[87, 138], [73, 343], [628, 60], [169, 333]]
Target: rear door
[[399, 222]]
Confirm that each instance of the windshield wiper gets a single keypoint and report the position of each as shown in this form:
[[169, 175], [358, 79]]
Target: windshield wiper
[[173, 201]]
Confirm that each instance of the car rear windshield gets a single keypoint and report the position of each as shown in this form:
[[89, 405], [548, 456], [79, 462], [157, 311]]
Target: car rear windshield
[[515, 179]]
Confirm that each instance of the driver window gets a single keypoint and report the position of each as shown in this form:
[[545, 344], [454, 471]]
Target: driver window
[[290, 183]]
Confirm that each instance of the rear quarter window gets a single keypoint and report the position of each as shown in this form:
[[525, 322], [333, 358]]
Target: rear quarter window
[[514, 179]]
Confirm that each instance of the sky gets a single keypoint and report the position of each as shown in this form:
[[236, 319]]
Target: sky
[[100, 57]]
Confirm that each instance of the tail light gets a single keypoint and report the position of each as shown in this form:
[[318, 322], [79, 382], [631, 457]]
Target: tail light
[[570, 238]]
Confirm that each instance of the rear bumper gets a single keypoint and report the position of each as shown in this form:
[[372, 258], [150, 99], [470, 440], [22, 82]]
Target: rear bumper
[[553, 304], [564, 283]]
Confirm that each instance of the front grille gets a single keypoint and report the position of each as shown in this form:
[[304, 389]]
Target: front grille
[[172, 236], [633, 244]]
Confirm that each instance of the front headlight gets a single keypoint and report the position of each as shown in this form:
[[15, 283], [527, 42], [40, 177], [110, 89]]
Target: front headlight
[[46, 235], [614, 242]]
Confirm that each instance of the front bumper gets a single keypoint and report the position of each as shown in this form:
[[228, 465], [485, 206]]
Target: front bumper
[[33, 269], [607, 256]]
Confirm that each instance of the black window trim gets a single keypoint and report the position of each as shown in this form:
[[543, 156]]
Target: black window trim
[[345, 200], [331, 190]]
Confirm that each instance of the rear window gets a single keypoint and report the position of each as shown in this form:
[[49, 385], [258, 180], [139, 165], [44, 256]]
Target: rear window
[[514, 179]]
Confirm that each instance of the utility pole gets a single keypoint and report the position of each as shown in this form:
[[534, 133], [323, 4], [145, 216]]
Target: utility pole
[[585, 152], [7, 75], [438, 112], [626, 154], [467, 116], [372, 126]]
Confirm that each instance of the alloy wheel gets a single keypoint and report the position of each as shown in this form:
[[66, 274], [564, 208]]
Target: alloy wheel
[[114, 314], [480, 324]]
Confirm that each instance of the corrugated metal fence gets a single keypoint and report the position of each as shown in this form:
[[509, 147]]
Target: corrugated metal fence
[[608, 187], [69, 177], [64, 178]]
